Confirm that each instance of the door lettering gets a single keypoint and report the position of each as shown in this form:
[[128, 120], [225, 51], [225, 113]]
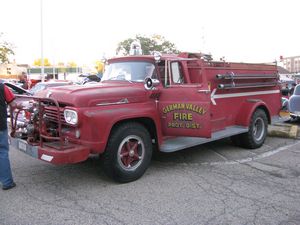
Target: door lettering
[[182, 115]]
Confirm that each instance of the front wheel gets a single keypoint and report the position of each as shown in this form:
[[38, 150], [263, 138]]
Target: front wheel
[[258, 129], [128, 153]]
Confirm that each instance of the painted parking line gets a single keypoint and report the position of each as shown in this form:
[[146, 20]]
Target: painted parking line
[[249, 159]]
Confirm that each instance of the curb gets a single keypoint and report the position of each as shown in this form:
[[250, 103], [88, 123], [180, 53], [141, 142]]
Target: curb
[[283, 130]]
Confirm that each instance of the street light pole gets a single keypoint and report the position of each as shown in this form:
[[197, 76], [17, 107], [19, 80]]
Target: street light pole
[[42, 45]]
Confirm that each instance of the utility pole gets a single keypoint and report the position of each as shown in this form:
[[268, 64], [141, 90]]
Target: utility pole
[[42, 45]]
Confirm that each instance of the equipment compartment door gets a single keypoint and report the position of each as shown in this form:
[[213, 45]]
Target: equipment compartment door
[[184, 108]]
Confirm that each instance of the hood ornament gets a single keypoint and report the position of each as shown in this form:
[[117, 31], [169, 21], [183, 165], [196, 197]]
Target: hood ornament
[[48, 95]]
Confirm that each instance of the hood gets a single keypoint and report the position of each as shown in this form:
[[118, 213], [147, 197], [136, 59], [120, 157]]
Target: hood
[[97, 94]]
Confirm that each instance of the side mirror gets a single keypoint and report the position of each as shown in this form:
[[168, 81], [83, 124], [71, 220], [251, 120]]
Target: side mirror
[[150, 83]]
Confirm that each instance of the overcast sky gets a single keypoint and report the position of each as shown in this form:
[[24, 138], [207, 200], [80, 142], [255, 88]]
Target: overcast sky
[[84, 30]]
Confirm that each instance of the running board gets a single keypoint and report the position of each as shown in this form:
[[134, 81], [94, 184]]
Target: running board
[[179, 143]]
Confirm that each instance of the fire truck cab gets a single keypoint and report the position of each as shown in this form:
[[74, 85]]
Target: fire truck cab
[[162, 102]]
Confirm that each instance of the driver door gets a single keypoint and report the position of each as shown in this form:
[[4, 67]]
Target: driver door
[[184, 107]]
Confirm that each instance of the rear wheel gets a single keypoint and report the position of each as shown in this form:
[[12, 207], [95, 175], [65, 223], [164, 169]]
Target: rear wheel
[[128, 153], [257, 133]]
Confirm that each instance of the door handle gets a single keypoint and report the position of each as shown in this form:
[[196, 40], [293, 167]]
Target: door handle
[[204, 91]]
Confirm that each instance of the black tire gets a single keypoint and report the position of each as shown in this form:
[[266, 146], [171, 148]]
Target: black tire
[[258, 130], [128, 152]]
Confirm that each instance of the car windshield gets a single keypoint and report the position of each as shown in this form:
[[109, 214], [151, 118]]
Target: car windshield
[[37, 88], [16, 89], [131, 71]]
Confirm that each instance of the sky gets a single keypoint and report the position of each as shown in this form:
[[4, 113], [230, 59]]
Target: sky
[[84, 30]]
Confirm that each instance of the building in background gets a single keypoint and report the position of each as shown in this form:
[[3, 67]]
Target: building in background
[[11, 71], [292, 64], [59, 72]]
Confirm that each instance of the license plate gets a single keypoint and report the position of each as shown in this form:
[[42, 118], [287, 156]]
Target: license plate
[[22, 146]]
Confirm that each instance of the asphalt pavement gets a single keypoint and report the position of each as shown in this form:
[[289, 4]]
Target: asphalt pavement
[[215, 183]]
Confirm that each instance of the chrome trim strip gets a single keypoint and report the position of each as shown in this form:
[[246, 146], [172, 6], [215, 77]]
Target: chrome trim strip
[[242, 94], [122, 101]]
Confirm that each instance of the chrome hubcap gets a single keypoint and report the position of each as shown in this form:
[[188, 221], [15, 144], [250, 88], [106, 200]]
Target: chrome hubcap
[[131, 152], [258, 129]]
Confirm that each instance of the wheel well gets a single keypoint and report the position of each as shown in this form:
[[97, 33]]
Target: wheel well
[[145, 121], [264, 108]]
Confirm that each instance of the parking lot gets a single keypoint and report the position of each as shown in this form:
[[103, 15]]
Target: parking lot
[[215, 183]]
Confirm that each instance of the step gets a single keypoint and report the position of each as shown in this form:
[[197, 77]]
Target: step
[[178, 143]]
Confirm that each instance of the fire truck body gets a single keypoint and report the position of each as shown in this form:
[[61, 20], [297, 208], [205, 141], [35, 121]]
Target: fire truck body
[[144, 103]]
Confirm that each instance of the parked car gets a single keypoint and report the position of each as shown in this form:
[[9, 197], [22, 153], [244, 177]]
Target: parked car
[[285, 103], [16, 89], [287, 86], [44, 85], [21, 116], [88, 78], [294, 103]]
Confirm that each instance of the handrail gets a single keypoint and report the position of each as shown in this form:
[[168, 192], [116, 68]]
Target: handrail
[[247, 85], [232, 76]]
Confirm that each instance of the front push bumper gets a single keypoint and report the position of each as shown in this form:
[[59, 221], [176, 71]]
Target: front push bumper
[[71, 153]]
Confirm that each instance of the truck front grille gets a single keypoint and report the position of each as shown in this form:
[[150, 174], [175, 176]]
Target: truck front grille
[[52, 114]]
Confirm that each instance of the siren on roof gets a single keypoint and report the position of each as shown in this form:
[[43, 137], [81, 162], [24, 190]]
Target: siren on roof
[[135, 48], [157, 55]]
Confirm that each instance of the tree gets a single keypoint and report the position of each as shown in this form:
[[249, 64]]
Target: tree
[[6, 49], [149, 44], [99, 66], [61, 64], [38, 62], [72, 64]]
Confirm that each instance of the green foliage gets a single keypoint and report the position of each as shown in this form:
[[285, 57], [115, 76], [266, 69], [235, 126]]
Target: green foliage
[[6, 49], [149, 44]]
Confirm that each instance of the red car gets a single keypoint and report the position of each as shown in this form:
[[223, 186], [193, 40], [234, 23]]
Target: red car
[[44, 85]]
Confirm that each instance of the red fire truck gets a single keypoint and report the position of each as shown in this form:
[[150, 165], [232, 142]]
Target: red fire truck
[[162, 102]]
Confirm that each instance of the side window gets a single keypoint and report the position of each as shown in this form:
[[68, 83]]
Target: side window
[[162, 74], [150, 72], [177, 75]]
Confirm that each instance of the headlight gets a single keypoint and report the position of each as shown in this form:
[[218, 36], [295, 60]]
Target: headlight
[[71, 116]]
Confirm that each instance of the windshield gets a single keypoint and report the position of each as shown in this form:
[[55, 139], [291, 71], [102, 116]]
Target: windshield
[[36, 88], [131, 71]]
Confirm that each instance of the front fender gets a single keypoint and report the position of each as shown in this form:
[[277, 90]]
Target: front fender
[[98, 122], [247, 110]]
